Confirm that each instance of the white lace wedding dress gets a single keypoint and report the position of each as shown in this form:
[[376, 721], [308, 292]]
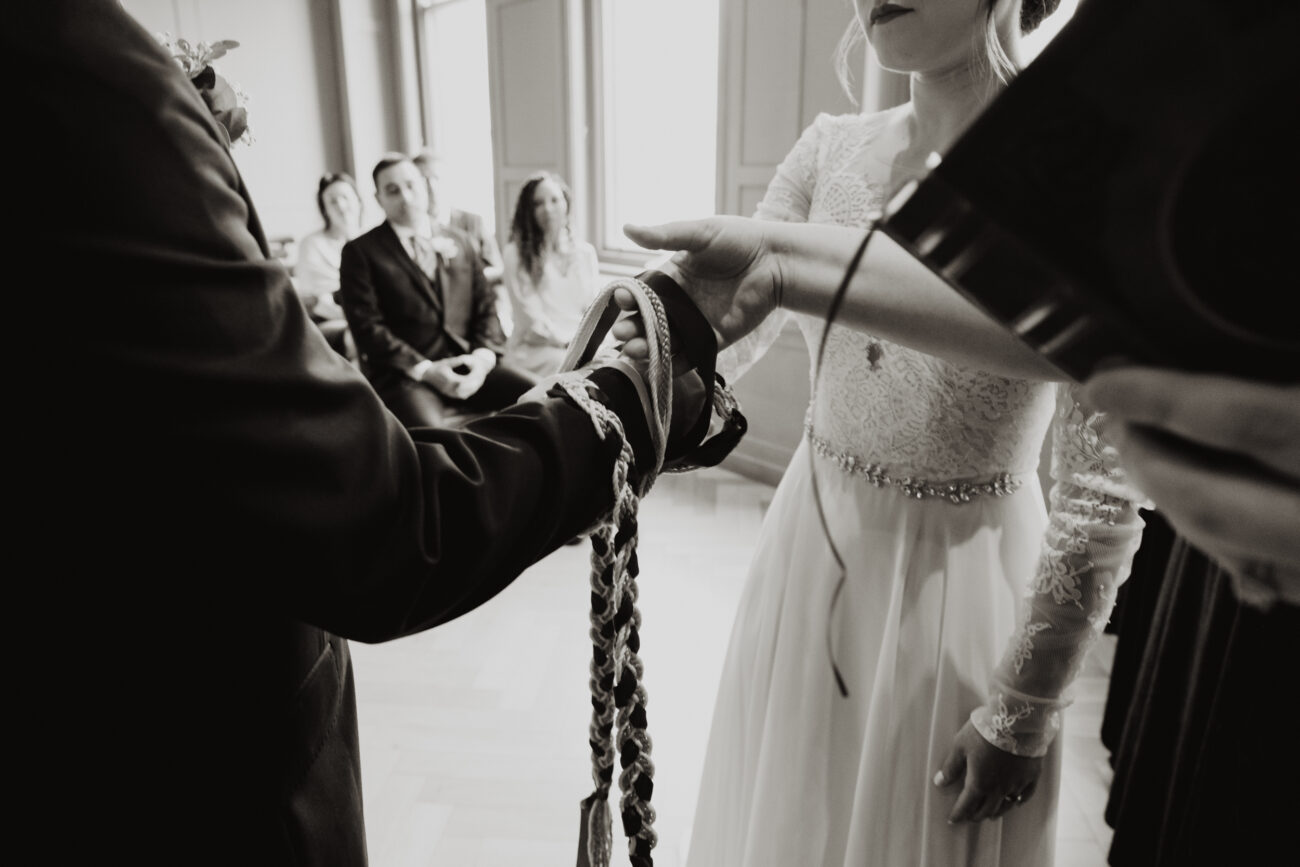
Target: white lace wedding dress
[[962, 593]]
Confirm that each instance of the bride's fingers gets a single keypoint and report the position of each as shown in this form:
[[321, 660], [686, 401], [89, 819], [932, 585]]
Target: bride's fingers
[[953, 770], [970, 804], [691, 235], [637, 348], [624, 299], [628, 328]]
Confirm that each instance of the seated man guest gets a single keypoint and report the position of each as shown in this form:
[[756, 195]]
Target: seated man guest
[[421, 312]]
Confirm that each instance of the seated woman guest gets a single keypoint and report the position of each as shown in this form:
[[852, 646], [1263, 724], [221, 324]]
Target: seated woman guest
[[551, 276], [316, 274]]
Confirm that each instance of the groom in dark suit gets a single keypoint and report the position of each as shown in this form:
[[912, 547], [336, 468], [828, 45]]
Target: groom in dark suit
[[421, 312], [195, 534]]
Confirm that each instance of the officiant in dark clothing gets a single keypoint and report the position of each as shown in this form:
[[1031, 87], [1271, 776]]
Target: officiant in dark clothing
[[209, 498]]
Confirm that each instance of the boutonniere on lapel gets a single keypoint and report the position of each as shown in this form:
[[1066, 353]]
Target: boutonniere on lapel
[[446, 248], [224, 98]]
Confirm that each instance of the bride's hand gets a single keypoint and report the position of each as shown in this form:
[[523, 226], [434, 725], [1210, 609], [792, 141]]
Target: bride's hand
[[725, 265], [994, 779]]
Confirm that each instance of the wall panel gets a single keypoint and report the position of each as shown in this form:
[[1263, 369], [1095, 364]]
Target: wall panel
[[528, 61], [284, 63]]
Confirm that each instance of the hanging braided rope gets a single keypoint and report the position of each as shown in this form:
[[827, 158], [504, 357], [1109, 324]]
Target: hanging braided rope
[[618, 695]]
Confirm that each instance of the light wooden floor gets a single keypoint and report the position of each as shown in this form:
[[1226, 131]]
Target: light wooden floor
[[474, 735]]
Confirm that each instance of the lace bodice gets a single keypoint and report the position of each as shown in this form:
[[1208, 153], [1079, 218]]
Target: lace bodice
[[908, 414], [912, 413]]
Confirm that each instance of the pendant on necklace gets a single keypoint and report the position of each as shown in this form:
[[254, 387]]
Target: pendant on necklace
[[874, 351]]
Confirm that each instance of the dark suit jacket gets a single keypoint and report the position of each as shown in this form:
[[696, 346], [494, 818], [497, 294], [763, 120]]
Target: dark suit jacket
[[207, 495], [399, 316]]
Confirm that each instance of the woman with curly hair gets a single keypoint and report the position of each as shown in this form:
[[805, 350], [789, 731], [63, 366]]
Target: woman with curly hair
[[551, 276]]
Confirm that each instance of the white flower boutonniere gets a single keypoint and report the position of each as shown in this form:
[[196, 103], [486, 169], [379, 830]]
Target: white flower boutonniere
[[224, 98], [446, 248]]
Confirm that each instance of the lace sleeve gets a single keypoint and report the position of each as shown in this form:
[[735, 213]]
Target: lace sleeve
[[1093, 531], [788, 199]]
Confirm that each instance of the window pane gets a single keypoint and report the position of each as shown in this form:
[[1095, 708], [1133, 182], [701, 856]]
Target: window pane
[[660, 112], [456, 78]]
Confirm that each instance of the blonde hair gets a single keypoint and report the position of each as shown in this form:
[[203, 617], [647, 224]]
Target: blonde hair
[[853, 34]]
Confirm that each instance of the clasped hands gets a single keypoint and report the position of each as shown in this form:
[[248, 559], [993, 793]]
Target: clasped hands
[[460, 377]]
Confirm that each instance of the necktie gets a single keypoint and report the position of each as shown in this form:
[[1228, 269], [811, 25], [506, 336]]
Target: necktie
[[423, 255]]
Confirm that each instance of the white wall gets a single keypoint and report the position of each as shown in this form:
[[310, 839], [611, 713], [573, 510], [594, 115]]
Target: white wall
[[777, 75], [288, 64]]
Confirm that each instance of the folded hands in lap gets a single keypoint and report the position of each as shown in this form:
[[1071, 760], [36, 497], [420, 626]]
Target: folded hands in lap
[[459, 377]]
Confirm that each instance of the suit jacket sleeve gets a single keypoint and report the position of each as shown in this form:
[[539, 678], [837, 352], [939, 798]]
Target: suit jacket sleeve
[[231, 457], [375, 340]]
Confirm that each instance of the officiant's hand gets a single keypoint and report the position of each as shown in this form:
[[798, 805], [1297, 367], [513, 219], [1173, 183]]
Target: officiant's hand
[[993, 780], [1221, 459], [725, 264]]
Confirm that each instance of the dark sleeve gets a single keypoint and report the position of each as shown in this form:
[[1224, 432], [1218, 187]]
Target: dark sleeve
[[217, 453], [374, 339]]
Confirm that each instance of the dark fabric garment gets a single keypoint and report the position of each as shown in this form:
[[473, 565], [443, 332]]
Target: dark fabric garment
[[226, 498], [1132, 619], [1206, 769]]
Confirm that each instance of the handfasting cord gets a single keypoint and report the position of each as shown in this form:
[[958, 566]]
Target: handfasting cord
[[618, 696], [836, 300]]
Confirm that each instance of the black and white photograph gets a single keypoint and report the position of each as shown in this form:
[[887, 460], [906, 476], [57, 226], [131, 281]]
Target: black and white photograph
[[654, 433]]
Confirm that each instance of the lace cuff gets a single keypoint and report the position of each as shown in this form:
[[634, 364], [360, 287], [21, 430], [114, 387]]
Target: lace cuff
[[1093, 531]]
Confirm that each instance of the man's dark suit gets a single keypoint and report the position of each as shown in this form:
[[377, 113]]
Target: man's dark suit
[[399, 317], [208, 496]]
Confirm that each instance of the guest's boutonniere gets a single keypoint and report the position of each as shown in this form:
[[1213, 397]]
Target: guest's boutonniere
[[446, 248], [223, 98]]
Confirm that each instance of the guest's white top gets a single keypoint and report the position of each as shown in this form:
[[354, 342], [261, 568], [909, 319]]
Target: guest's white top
[[547, 311], [316, 274]]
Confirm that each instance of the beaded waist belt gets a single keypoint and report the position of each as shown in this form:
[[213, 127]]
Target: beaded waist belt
[[954, 491]]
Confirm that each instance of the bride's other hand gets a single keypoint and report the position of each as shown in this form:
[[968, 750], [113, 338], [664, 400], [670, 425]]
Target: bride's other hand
[[725, 264], [993, 780]]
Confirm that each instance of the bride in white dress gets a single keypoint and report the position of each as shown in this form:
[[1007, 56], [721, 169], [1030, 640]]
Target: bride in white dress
[[966, 608]]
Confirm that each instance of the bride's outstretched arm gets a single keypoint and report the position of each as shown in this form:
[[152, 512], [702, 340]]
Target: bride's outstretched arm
[[739, 270]]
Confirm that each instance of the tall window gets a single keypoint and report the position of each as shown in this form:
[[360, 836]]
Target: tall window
[[657, 82], [454, 64]]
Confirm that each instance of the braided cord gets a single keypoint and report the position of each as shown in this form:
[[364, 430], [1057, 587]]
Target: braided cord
[[618, 695]]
